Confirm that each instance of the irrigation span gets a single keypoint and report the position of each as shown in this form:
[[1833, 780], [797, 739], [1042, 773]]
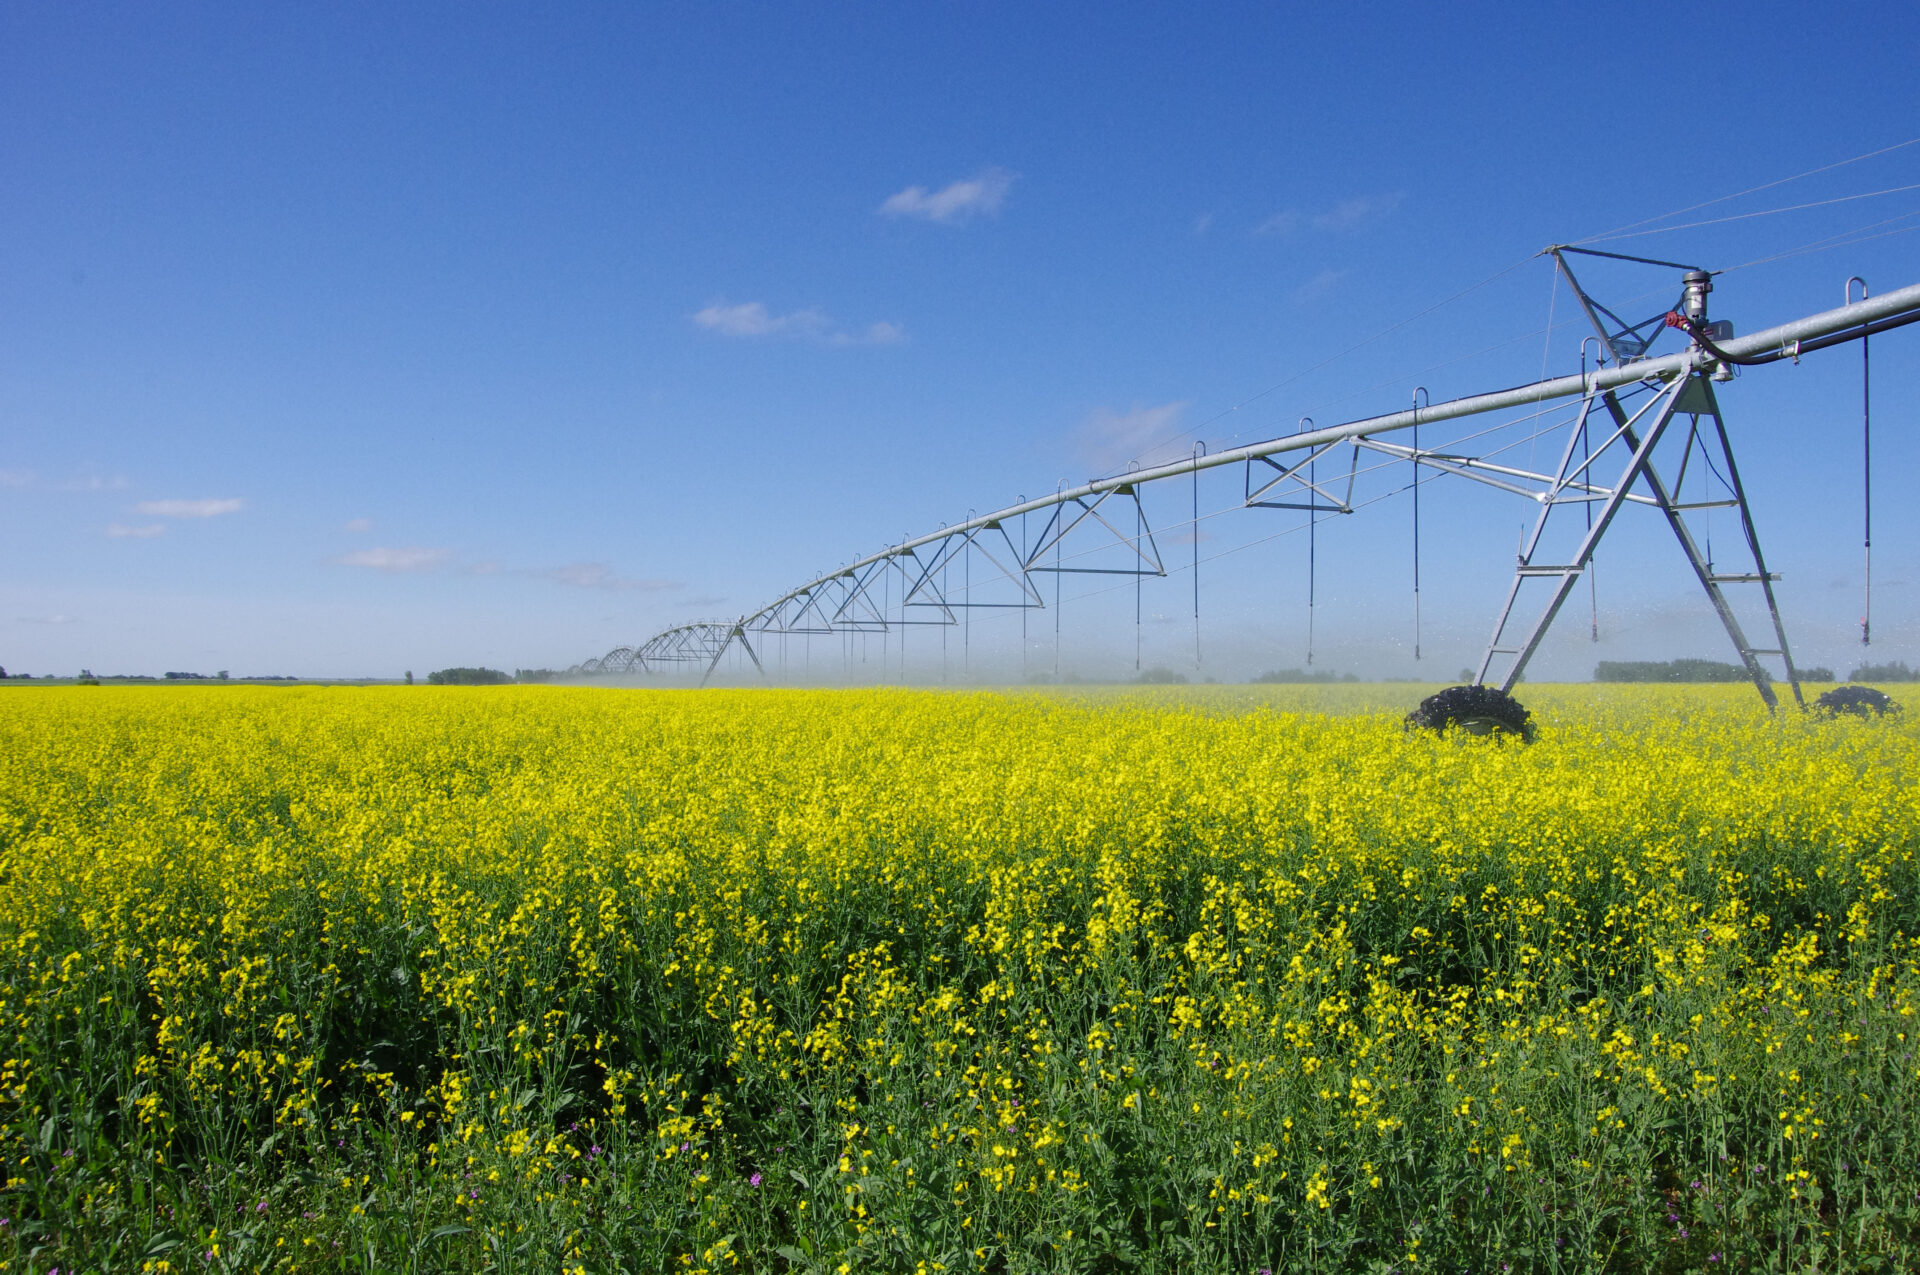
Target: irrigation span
[[1639, 421]]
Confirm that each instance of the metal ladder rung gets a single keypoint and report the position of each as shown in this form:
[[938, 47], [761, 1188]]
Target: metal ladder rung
[[1549, 571], [1754, 650], [1749, 578], [1708, 504]]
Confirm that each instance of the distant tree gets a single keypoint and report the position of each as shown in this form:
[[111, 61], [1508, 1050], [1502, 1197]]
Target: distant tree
[[534, 675], [1160, 675], [1294, 676], [1816, 673], [467, 677], [87, 678], [1897, 671], [222, 675], [409, 677], [1668, 671]]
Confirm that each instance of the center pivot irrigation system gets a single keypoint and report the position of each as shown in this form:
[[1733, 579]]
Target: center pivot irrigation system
[[1642, 423]]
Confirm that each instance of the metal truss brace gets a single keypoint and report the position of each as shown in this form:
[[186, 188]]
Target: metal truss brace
[[1565, 489], [1057, 527], [1625, 341], [969, 540], [1562, 576], [1318, 499]]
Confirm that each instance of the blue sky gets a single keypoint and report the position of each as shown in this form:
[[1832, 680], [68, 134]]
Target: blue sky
[[351, 340]]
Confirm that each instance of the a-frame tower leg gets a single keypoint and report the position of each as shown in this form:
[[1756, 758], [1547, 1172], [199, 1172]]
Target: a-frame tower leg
[[1641, 434]]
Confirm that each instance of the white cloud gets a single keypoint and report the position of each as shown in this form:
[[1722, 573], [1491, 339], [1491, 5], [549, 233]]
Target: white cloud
[[881, 333], [1319, 286], [359, 524], [121, 532], [1108, 439], [93, 482], [46, 619], [190, 508], [752, 319], [1281, 223], [1203, 223], [598, 575], [960, 202], [407, 559], [1348, 214]]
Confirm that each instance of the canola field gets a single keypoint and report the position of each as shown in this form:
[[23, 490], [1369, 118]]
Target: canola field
[[548, 979]]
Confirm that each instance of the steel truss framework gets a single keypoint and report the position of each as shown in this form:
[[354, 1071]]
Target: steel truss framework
[[1638, 419]]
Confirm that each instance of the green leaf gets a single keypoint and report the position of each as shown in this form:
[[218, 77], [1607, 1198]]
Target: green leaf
[[163, 1242], [441, 1233], [794, 1255]]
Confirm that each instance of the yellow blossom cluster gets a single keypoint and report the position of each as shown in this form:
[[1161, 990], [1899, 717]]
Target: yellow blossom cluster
[[1218, 977]]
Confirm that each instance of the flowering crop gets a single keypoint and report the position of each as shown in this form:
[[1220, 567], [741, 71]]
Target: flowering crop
[[1215, 979]]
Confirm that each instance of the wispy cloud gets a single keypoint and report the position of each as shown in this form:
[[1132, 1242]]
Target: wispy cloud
[[1203, 223], [752, 319], [881, 333], [120, 531], [210, 508], [955, 204], [1348, 214], [359, 524], [1109, 439], [598, 575], [411, 558], [1319, 286], [91, 482]]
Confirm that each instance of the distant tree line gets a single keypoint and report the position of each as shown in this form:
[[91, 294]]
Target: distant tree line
[[1687, 671], [1289, 676], [1897, 671], [467, 677]]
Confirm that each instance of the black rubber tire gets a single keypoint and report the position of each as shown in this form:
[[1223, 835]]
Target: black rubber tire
[[1860, 701], [1477, 710]]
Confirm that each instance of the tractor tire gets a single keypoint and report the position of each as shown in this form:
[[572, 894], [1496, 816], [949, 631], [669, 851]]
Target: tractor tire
[[1477, 710], [1860, 701]]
